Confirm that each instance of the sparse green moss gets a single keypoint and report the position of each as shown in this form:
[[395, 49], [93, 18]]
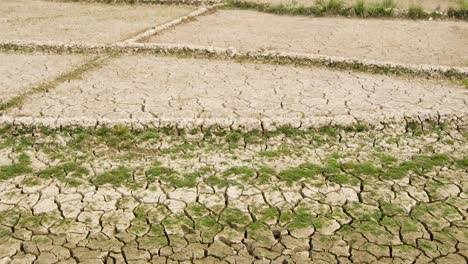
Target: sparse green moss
[[220, 182], [465, 82], [4, 232]]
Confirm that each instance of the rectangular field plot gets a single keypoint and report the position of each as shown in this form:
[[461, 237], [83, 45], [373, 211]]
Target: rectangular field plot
[[146, 87], [404, 41], [20, 72], [79, 22]]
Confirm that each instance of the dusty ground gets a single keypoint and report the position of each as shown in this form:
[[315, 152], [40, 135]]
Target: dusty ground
[[404, 4], [407, 41], [328, 196], [394, 193], [139, 87], [20, 72], [79, 22]]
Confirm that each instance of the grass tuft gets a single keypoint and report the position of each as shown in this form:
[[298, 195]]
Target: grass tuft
[[22, 166], [385, 8], [360, 8], [460, 12], [115, 177], [417, 12]]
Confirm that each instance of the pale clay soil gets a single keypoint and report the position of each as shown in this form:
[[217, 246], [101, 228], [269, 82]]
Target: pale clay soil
[[396, 193], [80, 22], [139, 87], [201, 198], [404, 41], [20, 72], [403, 4]]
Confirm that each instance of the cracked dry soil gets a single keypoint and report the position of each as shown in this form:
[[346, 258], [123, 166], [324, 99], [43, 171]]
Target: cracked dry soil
[[329, 195], [218, 181], [146, 87], [402, 41]]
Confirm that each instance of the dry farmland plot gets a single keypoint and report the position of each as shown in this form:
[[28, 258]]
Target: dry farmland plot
[[214, 157], [19, 72], [79, 22], [414, 42], [139, 87]]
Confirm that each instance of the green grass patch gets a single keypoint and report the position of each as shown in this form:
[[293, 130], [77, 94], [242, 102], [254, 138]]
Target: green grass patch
[[420, 164], [172, 177], [417, 12], [22, 166], [460, 12], [244, 172], [384, 8], [304, 171], [68, 172], [115, 177]]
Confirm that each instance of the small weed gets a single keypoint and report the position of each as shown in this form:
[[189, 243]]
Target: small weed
[[460, 12], [417, 12], [115, 177], [234, 136], [66, 172], [419, 165], [385, 8], [304, 171], [465, 82], [334, 7], [344, 179], [462, 163], [244, 172], [172, 177], [150, 134], [23, 166], [360, 8], [265, 174]]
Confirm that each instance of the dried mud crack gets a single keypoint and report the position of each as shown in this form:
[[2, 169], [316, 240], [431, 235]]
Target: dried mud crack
[[183, 134], [334, 194]]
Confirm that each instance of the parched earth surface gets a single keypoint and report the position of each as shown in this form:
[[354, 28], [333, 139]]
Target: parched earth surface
[[80, 22], [19, 72], [404, 41], [378, 191], [336, 194], [146, 87]]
